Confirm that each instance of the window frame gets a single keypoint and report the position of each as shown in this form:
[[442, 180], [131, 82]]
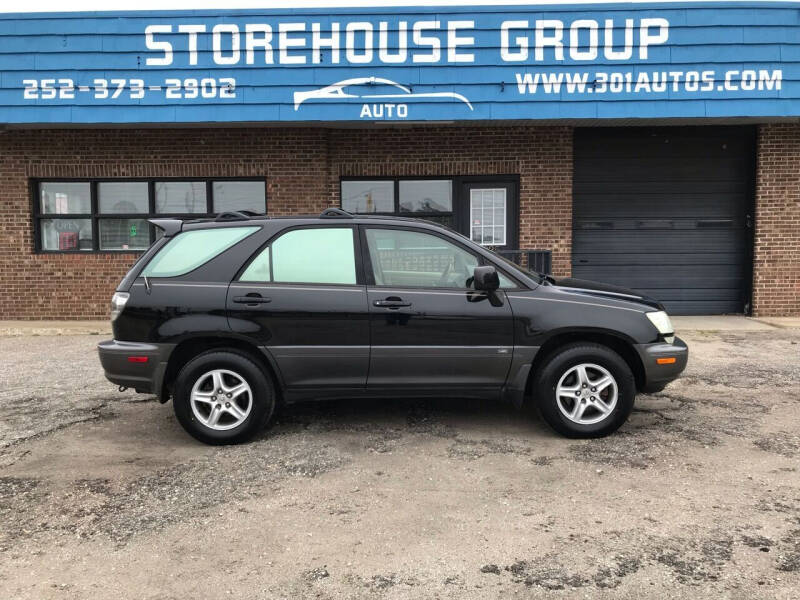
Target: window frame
[[357, 249], [369, 273], [396, 187], [460, 195], [95, 216]]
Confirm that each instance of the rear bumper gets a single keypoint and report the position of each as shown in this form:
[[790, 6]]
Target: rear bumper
[[135, 365], [657, 376]]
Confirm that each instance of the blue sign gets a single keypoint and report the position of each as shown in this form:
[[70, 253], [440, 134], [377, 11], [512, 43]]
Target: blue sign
[[595, 61]]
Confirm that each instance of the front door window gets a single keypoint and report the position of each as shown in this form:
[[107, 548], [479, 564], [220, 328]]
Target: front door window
[[403, 258]]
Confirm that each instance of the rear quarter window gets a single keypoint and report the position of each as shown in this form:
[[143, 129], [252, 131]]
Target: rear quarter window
[[191, 249]]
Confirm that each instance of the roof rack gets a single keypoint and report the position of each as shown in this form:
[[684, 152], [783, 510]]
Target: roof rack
[[238, 215], [335, 213]]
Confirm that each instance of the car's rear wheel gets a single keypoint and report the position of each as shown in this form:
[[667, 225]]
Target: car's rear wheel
[[223, 397], [585, 390]]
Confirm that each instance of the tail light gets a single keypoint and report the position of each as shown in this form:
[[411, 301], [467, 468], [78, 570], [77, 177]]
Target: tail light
[[118, 301]]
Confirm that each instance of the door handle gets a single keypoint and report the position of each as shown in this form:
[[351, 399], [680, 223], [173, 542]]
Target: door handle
[[393, 302], [251, 299]]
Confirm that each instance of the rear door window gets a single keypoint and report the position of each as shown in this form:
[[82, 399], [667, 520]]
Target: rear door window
[[322, 255], [191, 249]]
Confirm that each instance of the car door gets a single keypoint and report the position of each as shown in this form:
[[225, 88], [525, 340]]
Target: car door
[[429, 328], [301, 298]]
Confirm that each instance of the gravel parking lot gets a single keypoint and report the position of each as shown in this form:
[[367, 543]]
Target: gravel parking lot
[[103, 495]]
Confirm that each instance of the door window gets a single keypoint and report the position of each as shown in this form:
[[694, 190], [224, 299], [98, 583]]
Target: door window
[[414, 259], [487, 216], [324, 255], [259, 268]]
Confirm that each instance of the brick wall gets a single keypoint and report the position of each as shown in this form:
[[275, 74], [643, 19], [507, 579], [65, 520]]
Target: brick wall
[[541, 156], [53, 286], [776, 272], [302, 168]]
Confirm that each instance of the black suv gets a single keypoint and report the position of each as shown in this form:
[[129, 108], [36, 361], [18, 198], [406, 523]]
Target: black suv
[[232, 316]]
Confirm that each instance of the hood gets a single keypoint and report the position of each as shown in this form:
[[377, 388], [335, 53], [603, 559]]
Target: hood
[[603, 290]]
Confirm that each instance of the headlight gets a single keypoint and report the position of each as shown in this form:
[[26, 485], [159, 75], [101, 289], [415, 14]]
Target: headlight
[[118, 301], [661, 321]]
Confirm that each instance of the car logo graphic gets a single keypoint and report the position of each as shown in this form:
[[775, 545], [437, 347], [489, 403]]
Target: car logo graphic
[[336, 91]]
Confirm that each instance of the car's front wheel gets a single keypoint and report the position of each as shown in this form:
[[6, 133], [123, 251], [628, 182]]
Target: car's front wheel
[[585, 390], [223, 397]]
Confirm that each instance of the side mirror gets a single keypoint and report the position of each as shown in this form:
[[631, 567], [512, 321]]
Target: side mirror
[[486, 278]]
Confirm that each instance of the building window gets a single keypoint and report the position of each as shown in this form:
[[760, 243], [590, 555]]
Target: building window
[[111, 215], [487, 216], [372, 196], [238, 195], [426, 196], [185, 197], [430, 199]]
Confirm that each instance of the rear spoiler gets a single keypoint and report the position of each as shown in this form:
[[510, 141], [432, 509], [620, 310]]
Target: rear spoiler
[[170, 227]]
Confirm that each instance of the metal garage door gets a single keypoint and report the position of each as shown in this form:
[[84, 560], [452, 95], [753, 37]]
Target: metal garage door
[[666, 211]]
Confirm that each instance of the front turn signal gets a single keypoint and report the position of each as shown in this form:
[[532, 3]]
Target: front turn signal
[[666, 361]]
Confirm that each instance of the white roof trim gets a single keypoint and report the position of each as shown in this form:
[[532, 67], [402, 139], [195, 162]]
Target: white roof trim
[[63, 6]]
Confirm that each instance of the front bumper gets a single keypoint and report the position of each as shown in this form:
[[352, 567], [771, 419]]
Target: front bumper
[[656, 375], [145, 376]]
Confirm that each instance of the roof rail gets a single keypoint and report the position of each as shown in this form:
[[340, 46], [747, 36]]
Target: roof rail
[[335, 213], [237, 215]]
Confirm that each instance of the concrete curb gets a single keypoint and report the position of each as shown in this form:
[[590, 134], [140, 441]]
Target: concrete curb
[[781, 322], [23, 328], [719, 323]]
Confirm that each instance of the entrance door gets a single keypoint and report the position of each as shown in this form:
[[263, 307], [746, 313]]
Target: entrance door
[[428, 328], [489, 212]]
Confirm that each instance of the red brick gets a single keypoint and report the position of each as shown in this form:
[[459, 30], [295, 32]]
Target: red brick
[[776, 269], [302, 167]]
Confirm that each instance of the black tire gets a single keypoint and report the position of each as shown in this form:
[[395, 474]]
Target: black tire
[[262, 396], [558, 364]]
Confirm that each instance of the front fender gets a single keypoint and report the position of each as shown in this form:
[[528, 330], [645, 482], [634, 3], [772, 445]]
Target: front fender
[[539, 317]]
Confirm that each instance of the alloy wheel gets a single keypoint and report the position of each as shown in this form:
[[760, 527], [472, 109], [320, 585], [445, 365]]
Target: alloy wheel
[[221, 399], [586, 394]]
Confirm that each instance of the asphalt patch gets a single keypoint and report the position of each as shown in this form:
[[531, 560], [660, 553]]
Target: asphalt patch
[[783, 443], [183, 492]]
